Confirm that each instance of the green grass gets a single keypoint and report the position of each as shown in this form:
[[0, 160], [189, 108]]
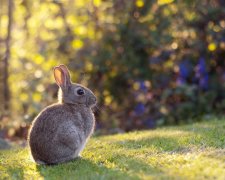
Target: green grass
[[187, 152]]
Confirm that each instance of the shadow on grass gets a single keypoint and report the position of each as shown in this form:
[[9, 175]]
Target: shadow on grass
[[135, 166], [122, 167], [82, 168]]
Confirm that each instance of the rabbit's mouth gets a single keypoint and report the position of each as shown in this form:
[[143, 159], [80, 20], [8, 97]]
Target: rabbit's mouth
[[91, 102]]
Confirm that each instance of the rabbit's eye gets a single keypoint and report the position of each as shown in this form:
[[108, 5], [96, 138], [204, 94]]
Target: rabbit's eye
[[80, 92]]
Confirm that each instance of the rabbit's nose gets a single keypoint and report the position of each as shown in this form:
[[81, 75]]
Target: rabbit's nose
[[94, 99], [91, 101]]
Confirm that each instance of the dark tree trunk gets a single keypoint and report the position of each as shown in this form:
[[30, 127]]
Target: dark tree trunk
[[6, 58]]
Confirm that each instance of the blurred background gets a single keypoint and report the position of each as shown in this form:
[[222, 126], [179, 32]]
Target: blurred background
[[149, 62]]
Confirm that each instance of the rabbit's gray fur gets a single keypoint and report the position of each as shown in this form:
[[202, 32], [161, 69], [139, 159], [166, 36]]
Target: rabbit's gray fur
[[60, 132]]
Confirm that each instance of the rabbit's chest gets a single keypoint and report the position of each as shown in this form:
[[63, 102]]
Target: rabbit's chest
[[85, 122]]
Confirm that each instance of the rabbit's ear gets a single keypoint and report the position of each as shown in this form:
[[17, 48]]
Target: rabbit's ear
[[66, 72], [62, 76]]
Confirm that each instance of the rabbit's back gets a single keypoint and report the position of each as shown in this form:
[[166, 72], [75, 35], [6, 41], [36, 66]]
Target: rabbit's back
[[60, 131]]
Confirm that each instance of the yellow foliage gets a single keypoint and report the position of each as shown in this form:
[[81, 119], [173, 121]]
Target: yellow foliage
[[37, 97], [163, 110], [190, 15], [113, 73], [57, 23], [72, 20], [77, 44], [162, 2], [53, 8], [80, 30], [174, 45], [97, 2], [38, 74], [28, 66], [4, 23], [38, 59], [47, 35], [148, 17], [216, 28], [33, 24], [106, 93], [108, 99], [23, 97], [89, 66], [139, 3], [141, 98], [49, 64], [80, 4], [91, 33], [212, 46], [169, 64], [40, 88], [136, 86]]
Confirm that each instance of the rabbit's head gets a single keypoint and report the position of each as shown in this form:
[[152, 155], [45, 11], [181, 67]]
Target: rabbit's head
[[72, 93]]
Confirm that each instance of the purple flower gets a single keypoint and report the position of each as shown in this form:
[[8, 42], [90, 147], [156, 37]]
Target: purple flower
[[184, 69], [184, 72], [143, 86], [150, 123], [180, 81], [139, 109], [204, 82], [202, 66], [202, 74], [155, 60]]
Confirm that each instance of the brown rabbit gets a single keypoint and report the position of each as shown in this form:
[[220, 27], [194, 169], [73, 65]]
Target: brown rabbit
[[60, 132]]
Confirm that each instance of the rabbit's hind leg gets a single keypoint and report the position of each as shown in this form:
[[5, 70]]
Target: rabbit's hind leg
[[62, 160]]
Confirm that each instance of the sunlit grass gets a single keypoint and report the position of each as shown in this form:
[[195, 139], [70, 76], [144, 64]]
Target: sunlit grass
[[188, 152]]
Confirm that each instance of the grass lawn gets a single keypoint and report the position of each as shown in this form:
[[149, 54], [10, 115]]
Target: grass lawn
[[187, 152]]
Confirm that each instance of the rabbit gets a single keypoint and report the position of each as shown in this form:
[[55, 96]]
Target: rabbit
[[60, 131]]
